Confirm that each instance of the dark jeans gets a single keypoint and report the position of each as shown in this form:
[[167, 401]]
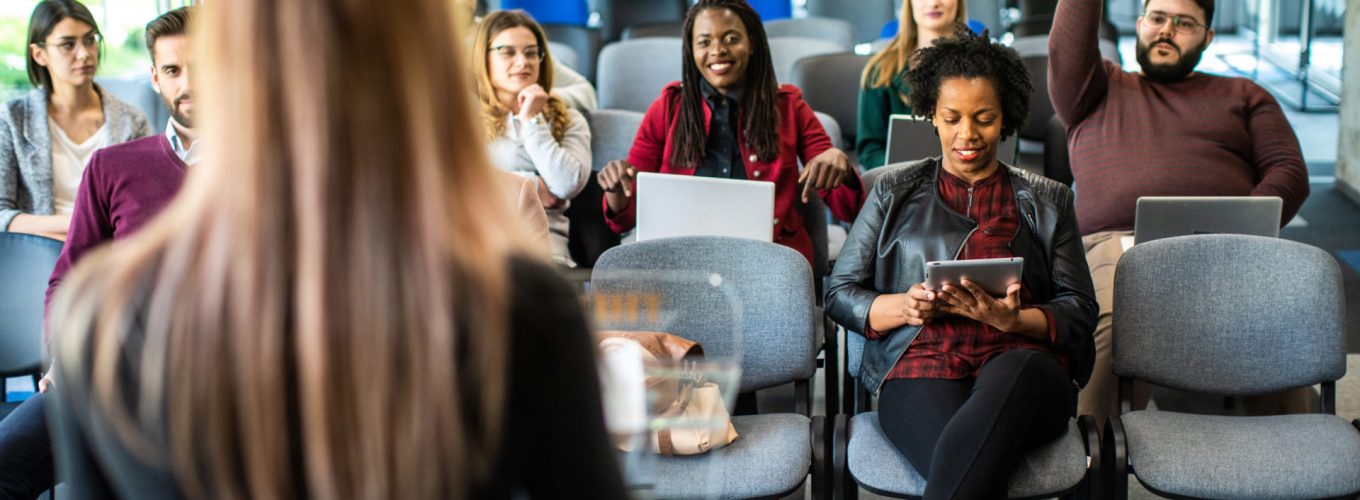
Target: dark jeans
[[965, 436], [26, 469]]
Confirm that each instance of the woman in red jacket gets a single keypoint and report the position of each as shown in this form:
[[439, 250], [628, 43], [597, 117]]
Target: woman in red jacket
[[729, 118]]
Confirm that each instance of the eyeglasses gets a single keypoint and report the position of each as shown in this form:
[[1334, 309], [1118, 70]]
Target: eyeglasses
[[1184, 24], [507, 52], [67, 46]]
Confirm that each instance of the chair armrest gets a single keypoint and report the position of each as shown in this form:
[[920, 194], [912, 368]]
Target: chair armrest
[[842, 485], [1116, 460], [1090, 437]]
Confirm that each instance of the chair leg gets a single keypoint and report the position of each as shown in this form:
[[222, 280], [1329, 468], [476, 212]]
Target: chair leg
[[1116, 460]]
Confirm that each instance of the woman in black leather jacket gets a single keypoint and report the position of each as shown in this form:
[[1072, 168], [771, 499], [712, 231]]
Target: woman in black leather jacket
[[966, 381]]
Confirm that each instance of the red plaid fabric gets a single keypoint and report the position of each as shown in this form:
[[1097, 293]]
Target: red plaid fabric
[[955, 347]]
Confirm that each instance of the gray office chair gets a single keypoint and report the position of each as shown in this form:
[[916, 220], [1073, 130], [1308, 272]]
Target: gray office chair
[[631, 73], [611, 135], [785, 51], [27, 261], [838, 31], [1231, 315], [867, 16], [772, 289], [830, 84]]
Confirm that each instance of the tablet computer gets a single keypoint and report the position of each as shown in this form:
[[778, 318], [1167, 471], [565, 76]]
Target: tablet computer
[[993, 275]]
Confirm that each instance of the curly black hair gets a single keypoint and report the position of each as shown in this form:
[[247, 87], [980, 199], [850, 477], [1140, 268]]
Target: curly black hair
[[967, 55]]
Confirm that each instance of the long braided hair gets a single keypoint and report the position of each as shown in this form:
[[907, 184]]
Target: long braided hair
[[759, 110]]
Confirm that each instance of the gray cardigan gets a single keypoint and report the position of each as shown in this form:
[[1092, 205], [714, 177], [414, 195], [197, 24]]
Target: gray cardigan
[[26, 149]]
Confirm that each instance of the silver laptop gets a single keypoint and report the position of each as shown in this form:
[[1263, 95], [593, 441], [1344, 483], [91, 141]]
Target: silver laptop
[[912, 138], [1158, 217], [683, 205]]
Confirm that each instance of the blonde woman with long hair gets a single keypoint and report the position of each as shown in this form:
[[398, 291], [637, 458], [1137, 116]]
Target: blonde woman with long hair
[[530, 132], [338, 304], [883, 87]]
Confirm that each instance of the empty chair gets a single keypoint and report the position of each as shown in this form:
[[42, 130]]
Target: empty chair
[[987, 13], [584, 41], [772, 288], [633, 72], [137, 91], [838, 31], [564, 54], [867, 16], [573, 12], [1231, 315], [616, 15], [787, 50], [667, 30], [830, 84], [588, 236], [612, 132], [27, 261]]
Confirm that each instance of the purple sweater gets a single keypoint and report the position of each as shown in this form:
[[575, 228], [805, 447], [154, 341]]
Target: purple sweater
[[123, 188], [1128, 136]]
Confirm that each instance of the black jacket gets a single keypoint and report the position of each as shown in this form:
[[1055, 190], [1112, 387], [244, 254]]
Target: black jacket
[[905, 224]]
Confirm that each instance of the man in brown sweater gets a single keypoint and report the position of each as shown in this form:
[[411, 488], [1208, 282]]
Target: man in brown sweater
[[1166, 131]]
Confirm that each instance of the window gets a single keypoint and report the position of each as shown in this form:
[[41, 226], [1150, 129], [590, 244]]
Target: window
[[122, 23]]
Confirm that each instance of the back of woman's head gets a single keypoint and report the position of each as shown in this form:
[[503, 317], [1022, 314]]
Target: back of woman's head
[[45, 17], [969, 56], [321, 312]]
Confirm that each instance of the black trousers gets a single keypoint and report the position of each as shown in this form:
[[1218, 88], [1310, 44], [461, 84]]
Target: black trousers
[[965, 436], [26, 468]]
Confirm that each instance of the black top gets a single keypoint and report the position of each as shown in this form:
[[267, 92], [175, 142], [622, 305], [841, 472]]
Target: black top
[[555, 443], [722, 154]]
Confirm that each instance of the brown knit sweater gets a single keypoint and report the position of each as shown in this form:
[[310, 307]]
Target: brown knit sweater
[[1128, 136]]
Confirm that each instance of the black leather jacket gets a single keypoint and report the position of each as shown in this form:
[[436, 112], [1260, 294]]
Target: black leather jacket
[[905, 224]]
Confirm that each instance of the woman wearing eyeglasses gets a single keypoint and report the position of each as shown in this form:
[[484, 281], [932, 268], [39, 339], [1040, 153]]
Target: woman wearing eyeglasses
[[531, 133], [48, 135]]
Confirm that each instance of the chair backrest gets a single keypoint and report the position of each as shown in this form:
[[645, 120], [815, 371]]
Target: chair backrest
[[773, 292], [1229, 314], [1056, 164], [583, 40], [987, 12], [830, 84], [574, 12], [838, 31], [815, 222], [611, 135], [26, 261], [868, 16], [1038, 45], [833, 129], [137, 91], [633, 72], [1040, 105], [616, 15], [653, 30], [564, 54], [787, 50]]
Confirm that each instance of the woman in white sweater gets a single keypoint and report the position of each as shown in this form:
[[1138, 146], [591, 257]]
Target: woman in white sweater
[[531, 133]]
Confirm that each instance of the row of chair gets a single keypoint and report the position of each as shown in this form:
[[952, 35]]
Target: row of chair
[[1268, 315]]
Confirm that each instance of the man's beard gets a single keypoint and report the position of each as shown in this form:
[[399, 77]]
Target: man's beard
[[184, 120], [1172, 72]]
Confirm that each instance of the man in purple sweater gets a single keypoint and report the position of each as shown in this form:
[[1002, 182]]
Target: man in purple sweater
[[1167, 131], [123, 187]]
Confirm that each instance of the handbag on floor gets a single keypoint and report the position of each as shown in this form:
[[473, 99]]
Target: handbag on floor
[[687, 397]]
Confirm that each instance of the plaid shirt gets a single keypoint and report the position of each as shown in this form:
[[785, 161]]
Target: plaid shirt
[[955, 347]]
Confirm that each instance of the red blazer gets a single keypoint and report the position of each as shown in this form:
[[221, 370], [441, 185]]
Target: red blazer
[[801, 136]]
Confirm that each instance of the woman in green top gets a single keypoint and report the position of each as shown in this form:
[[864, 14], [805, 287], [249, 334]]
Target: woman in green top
[[883, 87]]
